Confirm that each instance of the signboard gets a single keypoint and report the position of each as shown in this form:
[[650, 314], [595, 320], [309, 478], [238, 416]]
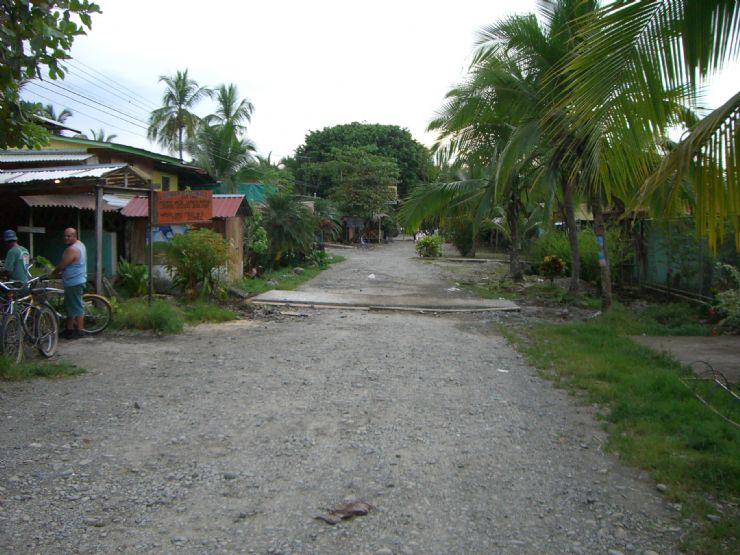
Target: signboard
[[182, 207], [30, 229]]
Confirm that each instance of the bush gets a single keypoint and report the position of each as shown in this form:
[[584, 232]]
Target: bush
[[462, 238], [429, 246], [728, 302], [552, 267], [133, 279], [195, 259], [556, 243], [160, 315]]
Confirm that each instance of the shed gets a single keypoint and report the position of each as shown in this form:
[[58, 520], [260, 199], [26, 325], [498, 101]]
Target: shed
[[227, 220]]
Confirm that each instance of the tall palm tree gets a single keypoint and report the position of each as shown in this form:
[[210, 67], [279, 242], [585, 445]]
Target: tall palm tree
[[218, 150], [174, 122], [101, 136], [640, 47], [61, 117], [230, 111]]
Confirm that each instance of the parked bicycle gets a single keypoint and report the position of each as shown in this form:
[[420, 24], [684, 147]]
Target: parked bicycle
[[98, 309], [27, 318]]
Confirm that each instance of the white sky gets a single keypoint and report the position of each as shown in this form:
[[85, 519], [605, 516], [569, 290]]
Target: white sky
[[305, 65]]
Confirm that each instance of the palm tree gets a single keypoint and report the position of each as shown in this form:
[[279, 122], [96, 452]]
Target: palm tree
[[231, 111], [174, 122], [218, 150], [101, 137], [640, 47], [61, 117], [289, 224]]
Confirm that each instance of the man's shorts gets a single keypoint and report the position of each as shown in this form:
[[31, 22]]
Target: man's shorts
[[73, 300]]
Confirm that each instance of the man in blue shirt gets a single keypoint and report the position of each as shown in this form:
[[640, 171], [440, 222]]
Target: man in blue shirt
[[17, 260], [73, 269]]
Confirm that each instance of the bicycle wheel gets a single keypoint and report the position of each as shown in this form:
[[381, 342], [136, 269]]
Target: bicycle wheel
[[46, 328], [98, 313], [11, 337]]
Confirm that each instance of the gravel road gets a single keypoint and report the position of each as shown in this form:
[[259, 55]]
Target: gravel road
[[233, 438]]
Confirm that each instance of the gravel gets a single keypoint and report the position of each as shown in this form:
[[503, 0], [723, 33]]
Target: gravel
[[234, 438]]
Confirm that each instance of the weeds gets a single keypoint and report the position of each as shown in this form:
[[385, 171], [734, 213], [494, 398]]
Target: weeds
[[11, 371], [286, 278]]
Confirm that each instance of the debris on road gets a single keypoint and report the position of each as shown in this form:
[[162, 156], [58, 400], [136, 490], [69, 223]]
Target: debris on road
[[346, 512]]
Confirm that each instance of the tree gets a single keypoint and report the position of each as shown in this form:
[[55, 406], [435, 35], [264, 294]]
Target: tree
[[174, 122], [36, 36], [101, 137], [290, 227], [61, 117], [640, 47], [231, 111], [219, 151], [412, 158]]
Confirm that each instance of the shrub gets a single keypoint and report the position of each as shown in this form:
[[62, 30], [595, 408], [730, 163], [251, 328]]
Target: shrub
[[133, 279], [429, 246], [195, 258], [160, 315], [552, 266], [728, 302], [462, 238]]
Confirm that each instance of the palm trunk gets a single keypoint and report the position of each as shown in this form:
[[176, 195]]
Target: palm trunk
[[515, 267], [599, 230], [570, 222], [179, 141]]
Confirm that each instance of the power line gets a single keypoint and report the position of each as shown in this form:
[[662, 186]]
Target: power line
[[128, 102], [146, 103]]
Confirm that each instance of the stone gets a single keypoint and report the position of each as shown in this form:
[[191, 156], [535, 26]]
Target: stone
[[713, 518], [662, 488]]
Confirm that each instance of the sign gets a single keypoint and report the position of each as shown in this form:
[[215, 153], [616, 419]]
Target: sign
[[182, 207], [29, 229]]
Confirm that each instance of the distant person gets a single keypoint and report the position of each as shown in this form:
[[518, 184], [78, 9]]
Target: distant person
[[17, 260], [73, 269]]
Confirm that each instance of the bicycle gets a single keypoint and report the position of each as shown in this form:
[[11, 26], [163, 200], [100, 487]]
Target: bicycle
[[26, 305], [98, 309]]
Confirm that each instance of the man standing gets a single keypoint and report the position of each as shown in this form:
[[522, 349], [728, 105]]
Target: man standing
[[73, 269], [17, 260]]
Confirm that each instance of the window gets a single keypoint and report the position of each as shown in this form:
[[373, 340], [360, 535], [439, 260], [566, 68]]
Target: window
[[165, 183]]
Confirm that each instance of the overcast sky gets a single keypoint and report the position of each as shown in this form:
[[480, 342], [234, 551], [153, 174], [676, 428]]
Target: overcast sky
[[305, 65]]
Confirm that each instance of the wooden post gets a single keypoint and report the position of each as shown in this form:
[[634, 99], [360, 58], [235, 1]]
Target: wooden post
[[150, 251], [99, 238], [30, 235]]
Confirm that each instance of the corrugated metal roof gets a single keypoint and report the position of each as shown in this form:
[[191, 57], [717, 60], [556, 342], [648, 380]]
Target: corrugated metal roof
[[224, 206], [15, 156], [60, 173], [81, 201]]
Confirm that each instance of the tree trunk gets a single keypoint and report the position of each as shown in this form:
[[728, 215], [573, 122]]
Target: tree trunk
[[570, 222], [599, 230], [515, 267]]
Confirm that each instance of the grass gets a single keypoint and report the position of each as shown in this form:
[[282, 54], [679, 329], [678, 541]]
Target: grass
[[10, 371], [165, 315], [654, 420], [284, 278]]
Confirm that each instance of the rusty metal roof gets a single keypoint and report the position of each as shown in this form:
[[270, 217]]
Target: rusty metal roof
[[80, 201], [224, 206]]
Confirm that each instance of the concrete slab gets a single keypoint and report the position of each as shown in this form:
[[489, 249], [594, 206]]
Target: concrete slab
[[385, 302], [722, 353]]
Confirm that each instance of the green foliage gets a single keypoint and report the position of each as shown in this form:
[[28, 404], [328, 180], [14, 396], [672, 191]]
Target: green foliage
[[290, 227], [256, 243], [11, 371], [654, 421], [552, 266], [161, 316], [556, 243], [133, 279], [204, 311], [328, 217], [429, 246], [286, 279], [462, 237], [728, 302], [195, 259], [389, 141]]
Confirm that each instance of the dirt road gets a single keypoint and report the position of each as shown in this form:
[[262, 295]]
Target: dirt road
[[234, 438]]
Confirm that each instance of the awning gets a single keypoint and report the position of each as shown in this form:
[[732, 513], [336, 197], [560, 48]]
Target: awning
[[111, 203], [224, 206]]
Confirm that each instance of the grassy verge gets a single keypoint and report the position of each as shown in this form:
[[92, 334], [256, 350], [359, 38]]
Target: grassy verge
[[10, 371], [654, 420], [165, 315], [284, 278]]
